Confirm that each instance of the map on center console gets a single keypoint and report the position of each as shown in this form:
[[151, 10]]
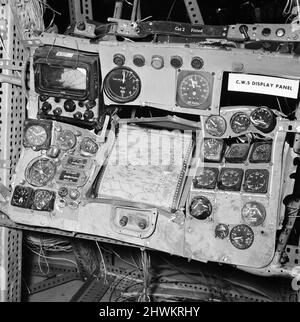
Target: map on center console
[[146, 166]]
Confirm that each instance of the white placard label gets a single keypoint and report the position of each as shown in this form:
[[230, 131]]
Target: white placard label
[[276, 86], [64, 54]]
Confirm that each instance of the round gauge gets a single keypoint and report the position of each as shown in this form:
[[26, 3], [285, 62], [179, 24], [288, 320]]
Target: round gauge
[[239, 122], [40, 171], [263, 119], [254, 213], [193, 90], [36, 135], [241, 236], [221, 231], [88, 146], [216, 125], [200, 208], [122, 85], [256, 180], [42, 200], [66, 140], [230, 178], [206, 178]]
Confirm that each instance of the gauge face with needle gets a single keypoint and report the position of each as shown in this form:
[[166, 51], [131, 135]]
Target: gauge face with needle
[[122, 85], [216, 125], [194, 90], [241, 236]]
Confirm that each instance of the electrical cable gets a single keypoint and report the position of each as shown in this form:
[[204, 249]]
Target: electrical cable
[[52, 257], [104, 266]]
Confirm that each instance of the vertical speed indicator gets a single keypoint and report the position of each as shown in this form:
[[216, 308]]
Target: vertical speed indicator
[[122, 85]]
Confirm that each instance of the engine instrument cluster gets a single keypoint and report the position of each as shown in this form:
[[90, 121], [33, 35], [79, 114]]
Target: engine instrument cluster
[[258, 120]]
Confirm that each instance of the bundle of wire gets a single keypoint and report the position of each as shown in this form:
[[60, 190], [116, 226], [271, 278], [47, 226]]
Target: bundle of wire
[[49, 244], [41, 245], [28, 15]]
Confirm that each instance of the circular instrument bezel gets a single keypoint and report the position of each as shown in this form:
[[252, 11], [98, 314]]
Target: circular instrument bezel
[[247, 213], [205, 213], [245, 126], [111, 93], [221, 122], [67, 144], [271, 123], [30, 167], [246, 244], [88, 140], [221, 231]]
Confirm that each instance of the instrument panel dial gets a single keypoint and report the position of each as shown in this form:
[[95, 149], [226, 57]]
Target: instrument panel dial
[[206, 178], [263, 119], [200, 208], [66, 140], [240, 122], [254, 214], [122, 85], [216, 125], [261, 152], [40, 172], [22, 197], [213, 150], [193, 90], [43, 200], [241, 236], [88, 146], [237, 152], [230, 179], [256, 181], [221, 231], [36, 135]]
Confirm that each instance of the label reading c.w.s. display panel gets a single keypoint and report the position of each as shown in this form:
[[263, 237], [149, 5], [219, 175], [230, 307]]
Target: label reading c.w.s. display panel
[[267, 85]]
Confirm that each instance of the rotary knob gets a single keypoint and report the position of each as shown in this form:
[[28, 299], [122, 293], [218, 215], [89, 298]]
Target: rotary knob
[[63, 192], [123, 221], [57, 111], [77, 115], [81, 25], [88, 114], [69, 106], [74, 194], [46, 107], [142, 224]]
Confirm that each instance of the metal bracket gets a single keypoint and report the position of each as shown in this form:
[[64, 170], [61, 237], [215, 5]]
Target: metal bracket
[[53, 282], [11, 64], [93, 289], [80, 10], [194, 12]]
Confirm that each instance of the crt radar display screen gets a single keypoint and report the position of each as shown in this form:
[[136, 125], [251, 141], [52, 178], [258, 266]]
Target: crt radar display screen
[[64, 78]]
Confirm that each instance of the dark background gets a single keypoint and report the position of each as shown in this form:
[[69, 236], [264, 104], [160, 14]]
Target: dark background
[[213, 11]]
